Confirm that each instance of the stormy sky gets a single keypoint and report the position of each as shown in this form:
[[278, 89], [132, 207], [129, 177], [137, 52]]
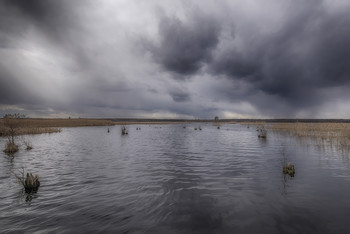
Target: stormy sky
[[175, 59]]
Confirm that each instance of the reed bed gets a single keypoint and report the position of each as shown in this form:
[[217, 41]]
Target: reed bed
[[324, 133], [30, 130], [313, 129], [60, 123], [37, 126]]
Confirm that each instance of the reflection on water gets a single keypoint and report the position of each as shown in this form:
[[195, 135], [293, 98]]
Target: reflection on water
[[172, 179]]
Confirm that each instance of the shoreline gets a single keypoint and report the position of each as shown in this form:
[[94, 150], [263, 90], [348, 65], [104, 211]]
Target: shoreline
[[335, 130], [85, 122]]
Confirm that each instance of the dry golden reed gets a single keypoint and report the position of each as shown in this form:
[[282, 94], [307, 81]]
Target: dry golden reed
[[38, 126], [324, 133]]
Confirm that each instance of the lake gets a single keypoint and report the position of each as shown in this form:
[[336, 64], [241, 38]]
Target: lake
[[171, 179]]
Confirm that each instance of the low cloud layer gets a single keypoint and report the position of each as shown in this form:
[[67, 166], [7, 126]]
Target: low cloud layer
[[276, 59]]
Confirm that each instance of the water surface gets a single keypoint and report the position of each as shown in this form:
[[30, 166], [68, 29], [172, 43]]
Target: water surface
[[170, 179]]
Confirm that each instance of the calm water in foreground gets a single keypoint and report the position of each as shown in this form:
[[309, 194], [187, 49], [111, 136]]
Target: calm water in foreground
[[167, 179]]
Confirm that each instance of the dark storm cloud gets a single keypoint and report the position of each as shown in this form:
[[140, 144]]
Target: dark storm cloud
[[277, 58], [310, 52], [332, 50], [184, 46], [53, 17]]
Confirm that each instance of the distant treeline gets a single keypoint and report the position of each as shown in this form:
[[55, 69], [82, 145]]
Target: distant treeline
[[292, 120], [125, 120]]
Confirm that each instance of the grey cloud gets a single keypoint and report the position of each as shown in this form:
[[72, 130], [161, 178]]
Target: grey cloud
[[184, 46], [180, 96], [220, 57], [238, 65], [310, 52], [62, 23], [53, 17], [12, 91], [332, 51]]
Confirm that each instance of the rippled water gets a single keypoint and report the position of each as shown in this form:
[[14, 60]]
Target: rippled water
[[170, 179]]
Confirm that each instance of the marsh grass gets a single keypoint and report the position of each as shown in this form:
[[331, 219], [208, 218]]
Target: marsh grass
[[323, 134], [39, 126], [24, 130], [37, 130]]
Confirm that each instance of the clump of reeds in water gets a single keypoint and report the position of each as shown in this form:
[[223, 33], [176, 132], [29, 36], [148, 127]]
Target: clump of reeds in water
[[262, 133], [289, 169], [11, 148], [124, 130], [28, 145], [30, 183]]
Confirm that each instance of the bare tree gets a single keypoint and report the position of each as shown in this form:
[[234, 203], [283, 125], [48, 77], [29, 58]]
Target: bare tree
[[12, 124]]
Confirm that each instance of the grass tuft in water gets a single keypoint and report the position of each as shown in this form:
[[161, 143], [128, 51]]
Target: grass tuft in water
[[11, 148], [124, 130], [289, 169], [30, 183], [28, 145], [262, 133]]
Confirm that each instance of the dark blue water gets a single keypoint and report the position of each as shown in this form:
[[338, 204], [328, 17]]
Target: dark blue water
[[170, 179]]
